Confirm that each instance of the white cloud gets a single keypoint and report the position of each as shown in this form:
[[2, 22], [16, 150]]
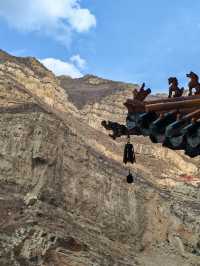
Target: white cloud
[[82, 20], [58, 18], [78, 61], [59, 67]]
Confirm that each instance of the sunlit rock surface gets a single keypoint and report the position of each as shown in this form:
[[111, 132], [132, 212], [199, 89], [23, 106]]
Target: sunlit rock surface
[[64, 199]]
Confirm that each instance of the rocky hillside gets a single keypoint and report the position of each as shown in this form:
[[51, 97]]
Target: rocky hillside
[[64, 199]]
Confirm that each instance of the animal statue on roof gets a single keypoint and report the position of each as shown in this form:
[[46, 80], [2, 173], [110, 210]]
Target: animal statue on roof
[[141, 94], [174, 90], [193, 83]]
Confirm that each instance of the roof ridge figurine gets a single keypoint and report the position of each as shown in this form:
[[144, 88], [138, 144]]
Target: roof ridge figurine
[[193, 83], [174, 90], [141, 94]]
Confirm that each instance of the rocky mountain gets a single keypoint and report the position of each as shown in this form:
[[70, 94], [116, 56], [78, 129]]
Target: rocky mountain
[[64, 199]]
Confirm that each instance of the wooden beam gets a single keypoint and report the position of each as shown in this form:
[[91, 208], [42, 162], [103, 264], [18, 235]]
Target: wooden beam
[[176, 99], [157, 107]]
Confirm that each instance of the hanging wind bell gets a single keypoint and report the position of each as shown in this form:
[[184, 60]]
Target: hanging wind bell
[[129, 154], [129, 157]]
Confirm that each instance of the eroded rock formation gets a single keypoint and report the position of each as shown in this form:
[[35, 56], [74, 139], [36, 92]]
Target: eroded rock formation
[[64, 199]]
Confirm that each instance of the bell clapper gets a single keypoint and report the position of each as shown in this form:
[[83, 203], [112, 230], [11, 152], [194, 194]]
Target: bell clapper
[[130, 178]]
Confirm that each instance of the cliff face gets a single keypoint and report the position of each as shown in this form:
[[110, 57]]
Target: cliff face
[[64, 199]]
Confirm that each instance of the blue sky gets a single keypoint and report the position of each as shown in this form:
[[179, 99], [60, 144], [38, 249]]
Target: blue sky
[[126, 40]]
